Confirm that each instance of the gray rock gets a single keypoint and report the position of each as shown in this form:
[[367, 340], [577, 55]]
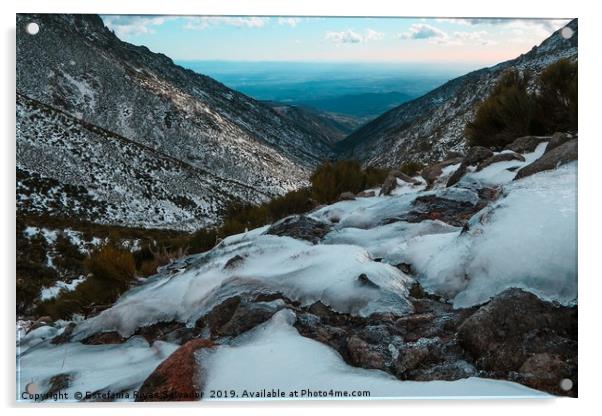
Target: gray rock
[[366, 194], [432, 172], [558, 139], [477, 154], [564, 153], [456, 176], [518, 333], [300, 227], [500, 157], [526, 144], [346, 196]]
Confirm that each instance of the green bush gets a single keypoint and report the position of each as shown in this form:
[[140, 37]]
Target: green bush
[[111, 269], [512, 111], [506, 114], [330, 180], [557, 96]]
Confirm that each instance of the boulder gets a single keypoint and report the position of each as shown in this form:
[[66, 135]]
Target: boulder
[[406, 178], [389, 184], [238, 314], [346, 196], [365, 355], [234, 262], [102, 338], [366, 194], [457, 175], [431, 207], [300, 227], [558, 139], [64, 336], [432, 172], [177, 378], [517, 333], [564, 153], [545, 371], [526, 144], [247, 316], [476, 154], [40, 322], [500, 157]]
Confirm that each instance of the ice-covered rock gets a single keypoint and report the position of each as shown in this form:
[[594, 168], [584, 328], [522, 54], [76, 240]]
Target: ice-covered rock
[[527, 239], [98, 369], [275, 356], [297, 269]]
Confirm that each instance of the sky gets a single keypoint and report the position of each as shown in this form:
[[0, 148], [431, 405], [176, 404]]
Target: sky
[[334, 39]]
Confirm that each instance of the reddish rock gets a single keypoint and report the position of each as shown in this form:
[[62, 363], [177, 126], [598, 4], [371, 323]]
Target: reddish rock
[[176, 378], [365, 355]]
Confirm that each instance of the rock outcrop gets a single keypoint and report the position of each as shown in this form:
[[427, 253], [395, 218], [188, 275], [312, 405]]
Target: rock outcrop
[[176, 378], [559, 155], [301, 227]]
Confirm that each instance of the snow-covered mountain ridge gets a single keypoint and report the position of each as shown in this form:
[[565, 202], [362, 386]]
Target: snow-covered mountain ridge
[[79, 68], [428, 128]]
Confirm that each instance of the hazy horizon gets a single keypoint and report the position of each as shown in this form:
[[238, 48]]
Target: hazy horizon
[[386, 40]]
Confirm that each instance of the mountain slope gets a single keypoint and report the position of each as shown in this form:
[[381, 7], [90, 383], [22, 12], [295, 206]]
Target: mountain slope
[[70, 168], [427, 128], [335, 127], [78, 67]]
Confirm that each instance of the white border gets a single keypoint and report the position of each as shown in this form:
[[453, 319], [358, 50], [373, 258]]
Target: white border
[[590, 211]]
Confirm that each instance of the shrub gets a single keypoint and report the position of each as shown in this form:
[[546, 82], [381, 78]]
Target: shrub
[[69, 258], [411, 168], [557, 96], [111, 269], [202, 240], [506, 114], [330, 180], [511, 111], [113, 264]]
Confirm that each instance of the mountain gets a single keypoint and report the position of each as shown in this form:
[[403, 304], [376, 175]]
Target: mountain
[[335, 127], [110, 111], [427, 128]]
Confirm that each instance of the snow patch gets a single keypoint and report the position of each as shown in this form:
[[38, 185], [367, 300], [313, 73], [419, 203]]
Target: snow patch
[[274, 355]]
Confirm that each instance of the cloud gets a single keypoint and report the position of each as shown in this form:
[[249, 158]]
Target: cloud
[[373, 35], [289, 21], [479, 38], [124, 26], [349, 36], [425, 31], [346, 36], [203, 22], [545, 25]]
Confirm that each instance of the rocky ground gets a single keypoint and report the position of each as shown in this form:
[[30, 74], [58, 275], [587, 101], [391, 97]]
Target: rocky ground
[[394, 291]]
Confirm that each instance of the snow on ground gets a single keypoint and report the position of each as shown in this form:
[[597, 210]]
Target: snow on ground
[[385, 241], [299, 270], [92, 368], [498, 173], [53, 291], [275, 356], [527, 239]]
